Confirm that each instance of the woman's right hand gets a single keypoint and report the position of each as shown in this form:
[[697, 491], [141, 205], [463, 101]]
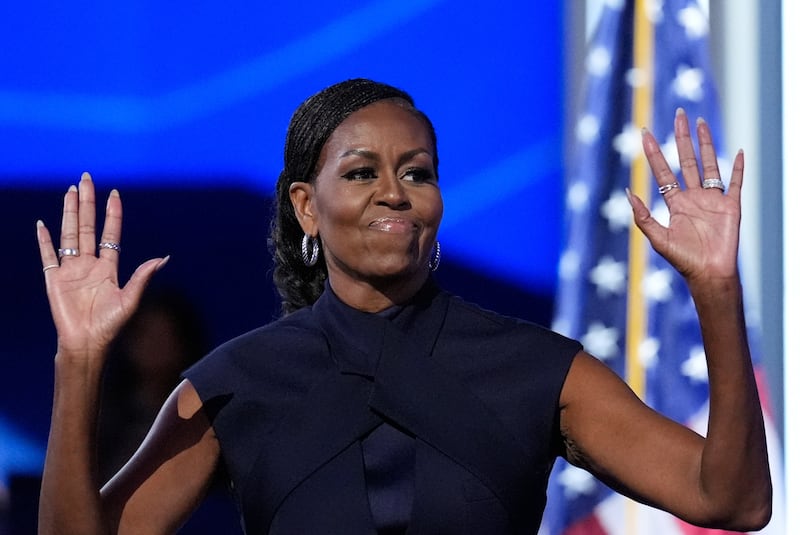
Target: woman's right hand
[[87, 304]]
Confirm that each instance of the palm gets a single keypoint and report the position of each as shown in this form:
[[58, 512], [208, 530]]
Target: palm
[[702, 234], [701, 240], [88, 305]]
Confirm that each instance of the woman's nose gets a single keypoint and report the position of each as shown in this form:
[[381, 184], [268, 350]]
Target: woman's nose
[[391, 192]]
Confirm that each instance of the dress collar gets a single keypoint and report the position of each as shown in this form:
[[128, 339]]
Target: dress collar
[[356, 337]]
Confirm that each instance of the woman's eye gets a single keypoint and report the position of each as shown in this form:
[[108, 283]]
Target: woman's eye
[[418, 174], [362, 173]]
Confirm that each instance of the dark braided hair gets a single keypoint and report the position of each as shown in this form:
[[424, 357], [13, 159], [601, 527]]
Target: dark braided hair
[[310, 127]]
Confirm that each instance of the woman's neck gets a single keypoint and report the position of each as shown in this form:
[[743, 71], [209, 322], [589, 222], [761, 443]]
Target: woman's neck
[[376, 296]]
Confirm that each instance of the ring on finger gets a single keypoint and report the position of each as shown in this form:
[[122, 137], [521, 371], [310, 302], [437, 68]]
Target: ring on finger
[[68, 251], [110, 245], [715, 183], [668, 187], [48, 267]]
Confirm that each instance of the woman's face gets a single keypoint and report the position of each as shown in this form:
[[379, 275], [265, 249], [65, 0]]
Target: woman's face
[[375, 202]]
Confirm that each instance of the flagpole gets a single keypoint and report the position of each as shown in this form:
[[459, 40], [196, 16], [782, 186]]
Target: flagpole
[[636, 327], [636, 322]]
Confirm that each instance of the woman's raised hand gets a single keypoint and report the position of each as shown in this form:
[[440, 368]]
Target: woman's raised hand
[[88, 305], [702, 238]]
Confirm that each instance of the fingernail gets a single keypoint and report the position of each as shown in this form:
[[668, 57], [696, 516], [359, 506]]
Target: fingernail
[[162, 263], [86, 176], [114, 193], [700, 121], [644, 130], [73, 188], [680, 111], [39, 223]]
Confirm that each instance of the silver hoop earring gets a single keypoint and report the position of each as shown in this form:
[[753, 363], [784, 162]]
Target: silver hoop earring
[[309, 261], [436, 257]]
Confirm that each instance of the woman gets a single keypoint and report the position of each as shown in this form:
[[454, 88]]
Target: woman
[[380, 403]]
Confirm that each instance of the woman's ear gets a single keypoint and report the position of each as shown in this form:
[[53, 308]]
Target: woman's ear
[[302, 197]]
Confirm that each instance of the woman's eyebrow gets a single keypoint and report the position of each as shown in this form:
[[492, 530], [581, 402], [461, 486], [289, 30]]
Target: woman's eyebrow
[[362, 153], [371, 155]]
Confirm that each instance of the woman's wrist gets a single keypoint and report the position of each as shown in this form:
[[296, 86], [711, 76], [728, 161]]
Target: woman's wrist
[[712, 290]]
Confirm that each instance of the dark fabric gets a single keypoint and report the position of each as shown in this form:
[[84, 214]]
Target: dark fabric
[[388, 462], [292, 403], [389, 477]]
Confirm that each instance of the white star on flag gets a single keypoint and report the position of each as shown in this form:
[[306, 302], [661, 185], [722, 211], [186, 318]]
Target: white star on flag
[[696, 367], [578, 196], [694, 21], [617, 210], [648, 352], [598, 61], [587, 129], [658, 285], [609, 276], [688, 83], [628, 143], [655, 10], [601, 341], [637, 77], [576, 481]]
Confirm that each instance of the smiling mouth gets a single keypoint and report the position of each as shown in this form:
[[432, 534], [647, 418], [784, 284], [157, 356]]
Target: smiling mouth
[[393, 225]]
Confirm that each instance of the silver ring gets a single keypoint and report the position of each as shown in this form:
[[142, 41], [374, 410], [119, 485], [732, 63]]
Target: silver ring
[[68, 251], [717, 183], [51, 266], [667, 187], [110, 245]]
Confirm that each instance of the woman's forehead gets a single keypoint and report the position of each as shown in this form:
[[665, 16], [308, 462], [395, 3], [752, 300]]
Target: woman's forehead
[[382, 122]]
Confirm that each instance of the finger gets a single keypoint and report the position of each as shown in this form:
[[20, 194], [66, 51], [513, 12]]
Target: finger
[[69, 220], [652, 229], [683, 141], [86, 215], [46, 250], [659, 165], [708, 154], [737, 176], [112, 227], [135, 287]]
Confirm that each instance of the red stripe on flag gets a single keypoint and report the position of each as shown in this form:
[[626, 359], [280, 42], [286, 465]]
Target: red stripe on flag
[[590, 525]]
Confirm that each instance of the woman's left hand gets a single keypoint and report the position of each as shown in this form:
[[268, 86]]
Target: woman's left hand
[[702, 238]]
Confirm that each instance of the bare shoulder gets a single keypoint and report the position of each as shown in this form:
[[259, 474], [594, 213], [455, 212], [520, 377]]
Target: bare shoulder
[[169, 474]]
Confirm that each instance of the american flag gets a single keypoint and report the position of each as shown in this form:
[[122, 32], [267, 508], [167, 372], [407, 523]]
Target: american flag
[[595, 269]]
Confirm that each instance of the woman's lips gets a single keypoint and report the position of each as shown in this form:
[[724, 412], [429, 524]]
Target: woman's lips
[[394, 225]]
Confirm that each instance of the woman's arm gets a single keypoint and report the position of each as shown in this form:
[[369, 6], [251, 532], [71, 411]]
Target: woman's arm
[[170, 473], [89, 308], [721, 480]]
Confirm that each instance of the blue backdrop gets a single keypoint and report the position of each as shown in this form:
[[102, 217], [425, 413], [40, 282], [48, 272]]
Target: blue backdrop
[[183, 107]]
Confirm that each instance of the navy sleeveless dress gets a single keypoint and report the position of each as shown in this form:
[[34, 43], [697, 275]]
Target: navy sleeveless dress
[[433, 417]]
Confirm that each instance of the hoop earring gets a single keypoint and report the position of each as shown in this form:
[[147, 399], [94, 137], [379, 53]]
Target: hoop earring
[[309, 261], [436, 257]]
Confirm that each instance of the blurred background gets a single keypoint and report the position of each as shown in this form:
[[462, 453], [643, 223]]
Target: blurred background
[[183, 107]]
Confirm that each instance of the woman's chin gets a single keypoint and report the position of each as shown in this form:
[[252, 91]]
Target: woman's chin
[[398, 271]]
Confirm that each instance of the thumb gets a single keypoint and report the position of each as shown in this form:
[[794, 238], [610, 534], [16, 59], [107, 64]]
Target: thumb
[[135, 287], [651, 228]]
